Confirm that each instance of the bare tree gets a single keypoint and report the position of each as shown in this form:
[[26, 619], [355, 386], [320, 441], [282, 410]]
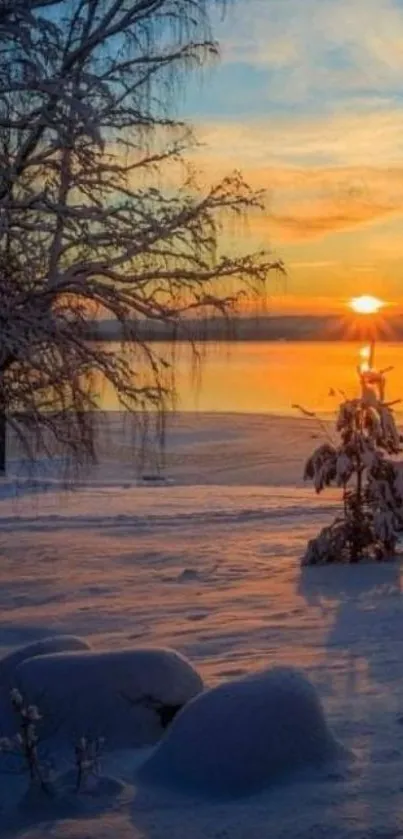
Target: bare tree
[[99, 215]]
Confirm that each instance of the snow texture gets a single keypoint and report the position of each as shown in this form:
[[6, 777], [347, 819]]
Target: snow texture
[[211, 567], [107, 694], [243, 735], [55, 644]]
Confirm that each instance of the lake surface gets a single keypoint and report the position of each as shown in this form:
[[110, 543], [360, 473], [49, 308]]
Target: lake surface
[[271, 377]]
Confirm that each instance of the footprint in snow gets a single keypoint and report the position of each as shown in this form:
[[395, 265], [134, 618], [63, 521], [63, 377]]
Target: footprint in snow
[[188, 575], [197, 616]]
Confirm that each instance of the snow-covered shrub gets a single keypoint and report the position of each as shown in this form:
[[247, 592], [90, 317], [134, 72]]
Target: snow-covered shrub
[[107, 693], [87, 758], [22, 747], [243, 735], [372, 483]]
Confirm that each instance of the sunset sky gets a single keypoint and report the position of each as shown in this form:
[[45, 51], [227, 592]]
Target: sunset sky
[[308, 102]]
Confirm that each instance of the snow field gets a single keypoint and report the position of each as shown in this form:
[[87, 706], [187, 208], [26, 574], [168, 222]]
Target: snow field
[[211, 569]]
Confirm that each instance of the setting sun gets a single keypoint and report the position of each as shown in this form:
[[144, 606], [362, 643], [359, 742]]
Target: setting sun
[[366, 304]]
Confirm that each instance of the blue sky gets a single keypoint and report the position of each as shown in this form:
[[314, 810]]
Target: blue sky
[[308, 101]]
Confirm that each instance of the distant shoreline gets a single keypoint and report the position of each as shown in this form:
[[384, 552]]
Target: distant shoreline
[[318, 328]]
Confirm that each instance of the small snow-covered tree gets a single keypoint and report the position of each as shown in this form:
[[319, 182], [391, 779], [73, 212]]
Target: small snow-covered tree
[[371, 481], [99, 213], [23, 747], [87, 758]]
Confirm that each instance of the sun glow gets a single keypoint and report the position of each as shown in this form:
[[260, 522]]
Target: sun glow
[[366, 305], [366, 355]]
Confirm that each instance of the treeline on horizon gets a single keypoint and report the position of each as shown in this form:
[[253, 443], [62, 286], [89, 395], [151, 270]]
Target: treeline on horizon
[[251, 328]]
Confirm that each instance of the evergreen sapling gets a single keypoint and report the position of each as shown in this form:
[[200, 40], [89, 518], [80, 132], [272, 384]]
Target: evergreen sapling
[[363, 462]]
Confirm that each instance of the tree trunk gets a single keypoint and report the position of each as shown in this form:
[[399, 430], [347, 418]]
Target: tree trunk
[[356, 548], [3, 440]]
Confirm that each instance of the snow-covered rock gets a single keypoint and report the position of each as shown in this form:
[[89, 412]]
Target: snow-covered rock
[[54, 644], [120, 695], [243, 735]]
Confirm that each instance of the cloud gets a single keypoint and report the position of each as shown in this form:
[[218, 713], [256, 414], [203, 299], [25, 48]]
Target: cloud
[[318, 45], [308, 104], [324, 217], [314, 266], [279, 55], [321, 176], [372, 137]]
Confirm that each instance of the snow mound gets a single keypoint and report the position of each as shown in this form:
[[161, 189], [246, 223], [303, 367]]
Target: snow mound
[[55, 644], [125, 696], [243, 735]]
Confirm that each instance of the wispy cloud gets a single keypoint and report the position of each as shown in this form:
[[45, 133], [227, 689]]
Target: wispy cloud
[[370, 137], [323, 218], [318, 45], [308, 103], [320, 176]]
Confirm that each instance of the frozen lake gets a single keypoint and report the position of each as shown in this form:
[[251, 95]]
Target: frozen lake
[[270, 377]]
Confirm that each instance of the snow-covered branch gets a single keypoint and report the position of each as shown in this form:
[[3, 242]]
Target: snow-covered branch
[[100, 215]]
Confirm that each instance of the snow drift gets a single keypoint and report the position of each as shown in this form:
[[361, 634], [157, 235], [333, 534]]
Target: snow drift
[[119, 695], [54, 644], [242, 735]]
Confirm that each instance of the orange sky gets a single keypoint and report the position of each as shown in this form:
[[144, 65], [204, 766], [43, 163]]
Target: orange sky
[[308, 103]]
